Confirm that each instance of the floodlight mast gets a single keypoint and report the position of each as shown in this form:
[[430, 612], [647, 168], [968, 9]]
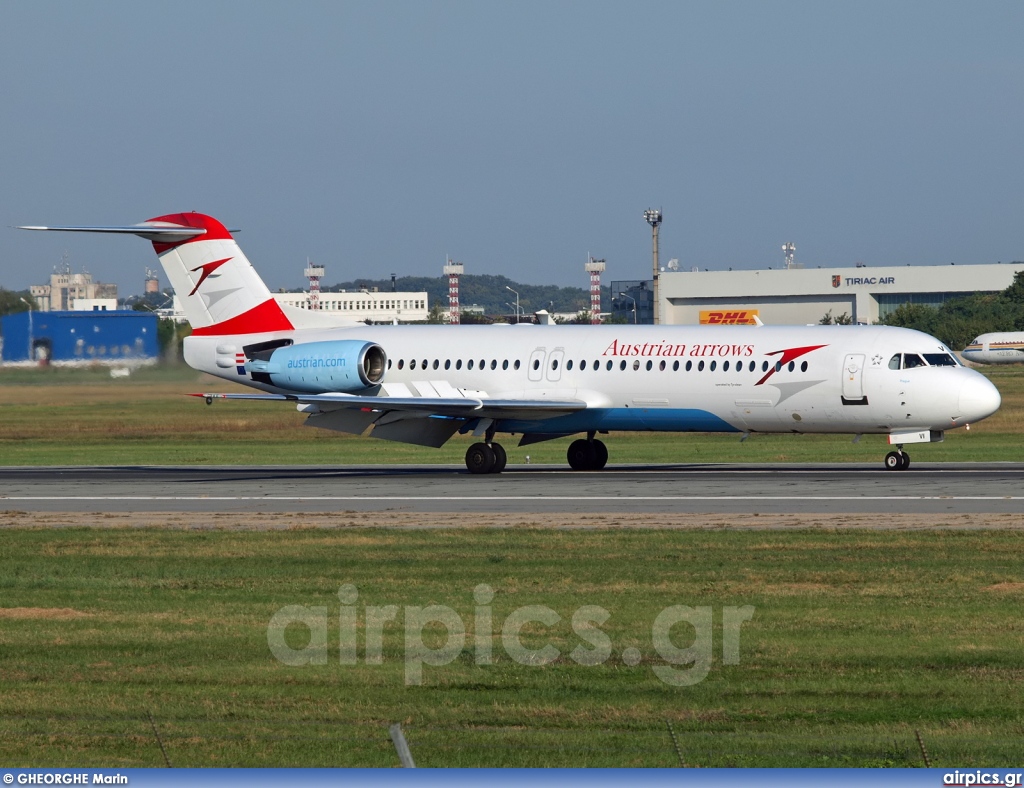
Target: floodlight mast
[[653, 218]]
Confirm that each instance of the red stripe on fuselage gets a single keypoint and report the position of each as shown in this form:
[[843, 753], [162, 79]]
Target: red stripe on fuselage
[[214, 229], [265, 317]]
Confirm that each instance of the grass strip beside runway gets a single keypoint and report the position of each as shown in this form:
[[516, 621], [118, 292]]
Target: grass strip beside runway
[[858, 639]]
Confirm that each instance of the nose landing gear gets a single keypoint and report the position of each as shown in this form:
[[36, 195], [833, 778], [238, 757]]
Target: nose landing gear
[[897, 460]]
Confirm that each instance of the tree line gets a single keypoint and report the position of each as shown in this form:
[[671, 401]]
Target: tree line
[[959, 320]]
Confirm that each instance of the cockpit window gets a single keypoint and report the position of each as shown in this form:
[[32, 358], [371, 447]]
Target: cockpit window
[[911, 360], [940, 360], [894, 362]]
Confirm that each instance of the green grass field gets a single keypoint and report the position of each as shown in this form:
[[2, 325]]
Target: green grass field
[[857, 641], [81, 417]]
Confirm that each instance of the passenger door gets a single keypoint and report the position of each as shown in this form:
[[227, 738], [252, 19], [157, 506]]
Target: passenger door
[[853, 380]]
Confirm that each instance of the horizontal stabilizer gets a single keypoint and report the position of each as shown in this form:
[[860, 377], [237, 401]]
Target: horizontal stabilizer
[[151, 231]]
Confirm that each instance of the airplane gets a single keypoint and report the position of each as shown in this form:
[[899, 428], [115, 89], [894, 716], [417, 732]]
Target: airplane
[[1006, 347], [422, 384]]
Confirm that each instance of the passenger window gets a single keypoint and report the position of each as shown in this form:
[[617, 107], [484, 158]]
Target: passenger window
[[554, 364], [568, 365], [675, 366], [494, 364], [714, 366], [504, 364], [458, 364], [608, 366], [803, 367], [412, 364], [536, 363], [597, 365], [753, 365], [424, 364], [661, 366], [482, 363], [401, 363], [516, 365], [469, 364], [725, 366], [389, 363], [764, 366], [447, 363], [700, 366], [622, 366], [689, 365], [436, 363], [911, 360], [792, 365]]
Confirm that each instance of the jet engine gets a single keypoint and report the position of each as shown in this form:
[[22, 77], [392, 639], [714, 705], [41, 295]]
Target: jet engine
[[319, 367]]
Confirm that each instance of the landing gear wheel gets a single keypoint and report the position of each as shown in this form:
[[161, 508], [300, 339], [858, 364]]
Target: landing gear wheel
[[582, 455], [500, 457], [906, 461], [601, 452], [893, 461], [480, 458]]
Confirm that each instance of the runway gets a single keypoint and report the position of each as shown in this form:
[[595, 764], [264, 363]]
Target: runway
[[962, 488]]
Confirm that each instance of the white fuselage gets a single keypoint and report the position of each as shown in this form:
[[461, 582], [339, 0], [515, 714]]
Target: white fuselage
[[832, 379], [1005, 347]]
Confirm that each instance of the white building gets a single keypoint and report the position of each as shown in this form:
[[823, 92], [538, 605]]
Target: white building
[[797, 296], [94, 304], [361, 306]]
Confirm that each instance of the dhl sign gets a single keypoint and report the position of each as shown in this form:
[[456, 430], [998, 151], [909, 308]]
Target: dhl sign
[[731, 317]]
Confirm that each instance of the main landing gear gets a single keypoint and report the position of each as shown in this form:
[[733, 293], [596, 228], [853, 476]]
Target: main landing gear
[[487, 457], [587, 454], [897, 460]]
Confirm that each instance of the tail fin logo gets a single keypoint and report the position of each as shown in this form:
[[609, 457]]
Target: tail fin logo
[[207, 269]]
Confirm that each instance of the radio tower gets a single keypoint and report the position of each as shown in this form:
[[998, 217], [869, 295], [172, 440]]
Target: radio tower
[[314, 273], [594, 268], [789, 249], [453, 272]]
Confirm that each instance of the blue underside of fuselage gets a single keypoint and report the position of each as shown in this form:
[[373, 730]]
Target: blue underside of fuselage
[[615, 419]]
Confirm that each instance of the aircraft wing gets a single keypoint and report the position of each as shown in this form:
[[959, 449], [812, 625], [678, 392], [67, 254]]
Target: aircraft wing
[[464, 407]]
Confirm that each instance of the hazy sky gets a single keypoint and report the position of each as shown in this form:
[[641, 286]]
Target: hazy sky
[[377, 137]]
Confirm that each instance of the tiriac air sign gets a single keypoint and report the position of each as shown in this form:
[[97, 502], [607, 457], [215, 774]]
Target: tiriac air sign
[[837, 280]]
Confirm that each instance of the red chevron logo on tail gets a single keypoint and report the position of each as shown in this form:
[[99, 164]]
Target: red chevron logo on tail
[[207, 269]]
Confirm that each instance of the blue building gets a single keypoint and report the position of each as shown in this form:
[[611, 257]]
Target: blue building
[[79, 336]]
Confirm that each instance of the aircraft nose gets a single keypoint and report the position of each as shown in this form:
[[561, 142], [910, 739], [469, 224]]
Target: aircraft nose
[[979, 399]]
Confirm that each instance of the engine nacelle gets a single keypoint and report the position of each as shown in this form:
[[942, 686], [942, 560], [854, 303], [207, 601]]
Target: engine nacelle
[[319, 367]]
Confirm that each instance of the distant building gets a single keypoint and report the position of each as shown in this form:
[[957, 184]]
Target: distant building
[[65, 288], [805, 295], [364, 305], [97, 336], [625, 293]]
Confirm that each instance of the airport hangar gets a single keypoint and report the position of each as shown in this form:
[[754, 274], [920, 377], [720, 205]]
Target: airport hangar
[[798, 296]]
